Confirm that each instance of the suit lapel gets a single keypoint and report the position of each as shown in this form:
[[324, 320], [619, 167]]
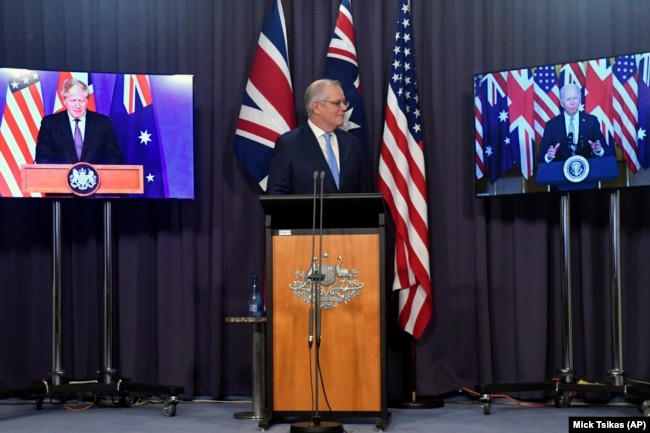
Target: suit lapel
[[66, 132]]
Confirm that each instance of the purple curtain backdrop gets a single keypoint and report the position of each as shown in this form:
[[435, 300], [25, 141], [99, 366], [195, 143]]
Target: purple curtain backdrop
[[183, 266]]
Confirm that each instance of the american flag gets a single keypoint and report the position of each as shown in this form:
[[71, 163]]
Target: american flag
[[267, 109], [402, 181], [134, 118], [341, 64], [521, 115], [625, 109], [598, 99], [478, 128], [21, 120], [547, 98], [644, 110]]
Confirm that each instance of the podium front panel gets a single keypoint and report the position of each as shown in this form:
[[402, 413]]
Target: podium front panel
[[350, 350]]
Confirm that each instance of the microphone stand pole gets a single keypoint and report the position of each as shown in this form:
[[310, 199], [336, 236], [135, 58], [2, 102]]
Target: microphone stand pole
[[316, 425]]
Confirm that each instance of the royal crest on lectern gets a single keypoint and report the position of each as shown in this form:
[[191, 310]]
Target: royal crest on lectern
[[83, 179], [338, 284]]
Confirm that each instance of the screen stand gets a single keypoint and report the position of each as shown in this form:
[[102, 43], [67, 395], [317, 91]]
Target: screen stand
[[107, 384], [617, 373], [57, 371], [567, 386]]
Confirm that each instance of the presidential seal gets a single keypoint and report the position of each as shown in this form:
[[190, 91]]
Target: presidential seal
[[83, 179], [576, 168]]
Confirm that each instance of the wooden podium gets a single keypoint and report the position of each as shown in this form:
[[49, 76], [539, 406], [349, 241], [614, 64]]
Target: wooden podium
[[52, 179], [352, 350]]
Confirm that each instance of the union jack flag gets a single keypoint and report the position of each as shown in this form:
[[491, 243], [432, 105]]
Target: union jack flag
[[402, 182], [573, 73], [625, 109], [598, 99], [267, 110], [341, 64], [521, 115], [547, 98], [21, 120]]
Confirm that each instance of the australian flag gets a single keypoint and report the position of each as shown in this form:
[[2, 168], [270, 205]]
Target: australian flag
[[341, 64], [133, 115], [496, 135], [643, 140]]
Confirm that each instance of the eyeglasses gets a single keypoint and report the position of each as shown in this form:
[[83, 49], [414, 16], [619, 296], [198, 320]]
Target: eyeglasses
[[343, 103]]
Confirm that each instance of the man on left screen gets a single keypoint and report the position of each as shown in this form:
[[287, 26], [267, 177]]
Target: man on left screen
[[95, 142]]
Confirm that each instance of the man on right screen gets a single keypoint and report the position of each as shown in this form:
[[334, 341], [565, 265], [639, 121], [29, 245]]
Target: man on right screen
[[573, 132]]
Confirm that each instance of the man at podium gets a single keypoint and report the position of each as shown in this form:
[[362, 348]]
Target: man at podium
[[573, 132], [321, 146], [77, 135]]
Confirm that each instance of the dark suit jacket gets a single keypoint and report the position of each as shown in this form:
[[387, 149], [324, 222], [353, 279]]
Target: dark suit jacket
[[297, 155], [55, 142], [555, 132]]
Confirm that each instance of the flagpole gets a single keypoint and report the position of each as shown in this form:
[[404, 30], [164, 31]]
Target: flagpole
[[402, 182], [413, 401]]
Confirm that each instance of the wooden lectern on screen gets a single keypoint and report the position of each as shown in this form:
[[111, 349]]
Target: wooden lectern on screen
[[352, 350], [52, 179]]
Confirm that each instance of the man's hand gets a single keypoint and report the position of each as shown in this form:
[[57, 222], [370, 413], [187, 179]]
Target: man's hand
[[552, 150], [596, 146]]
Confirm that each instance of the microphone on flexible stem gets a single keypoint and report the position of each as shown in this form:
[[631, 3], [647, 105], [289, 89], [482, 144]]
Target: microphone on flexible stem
[[320, 255], [310, 340]]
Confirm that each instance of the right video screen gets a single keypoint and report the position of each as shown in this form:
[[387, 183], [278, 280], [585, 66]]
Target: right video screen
[[571, 126]]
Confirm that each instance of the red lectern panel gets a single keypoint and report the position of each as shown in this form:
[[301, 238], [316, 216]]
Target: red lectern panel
[[52, 178]]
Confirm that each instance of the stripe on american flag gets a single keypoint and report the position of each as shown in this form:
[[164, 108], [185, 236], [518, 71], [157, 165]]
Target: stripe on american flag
[[402, 181], [547, 98], [624, 104], [478, 129]]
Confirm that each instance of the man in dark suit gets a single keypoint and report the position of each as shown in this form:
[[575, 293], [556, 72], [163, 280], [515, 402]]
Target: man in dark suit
[[319, 146], [77, 134], [573, 132]]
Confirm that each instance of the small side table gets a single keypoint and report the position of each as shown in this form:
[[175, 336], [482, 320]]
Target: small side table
[[259, 362]]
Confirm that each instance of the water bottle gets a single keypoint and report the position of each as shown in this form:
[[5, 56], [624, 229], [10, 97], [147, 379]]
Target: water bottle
[[255, 303]]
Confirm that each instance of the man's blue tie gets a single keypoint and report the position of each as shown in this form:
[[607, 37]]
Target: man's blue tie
[[331, 159], [78, 140]]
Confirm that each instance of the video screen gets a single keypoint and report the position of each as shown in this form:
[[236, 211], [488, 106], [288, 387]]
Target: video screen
[[151, 133], [563, 127]]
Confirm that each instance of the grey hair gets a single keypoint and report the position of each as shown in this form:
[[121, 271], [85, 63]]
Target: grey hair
[[73, 82], [316, 92]]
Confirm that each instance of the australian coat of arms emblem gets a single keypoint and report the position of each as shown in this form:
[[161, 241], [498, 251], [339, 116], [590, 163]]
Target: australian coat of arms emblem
[[337, 284]]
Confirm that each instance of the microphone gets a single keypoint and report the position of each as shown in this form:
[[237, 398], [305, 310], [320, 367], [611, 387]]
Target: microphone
[[320, 255], [571, 144], [310, 339]]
